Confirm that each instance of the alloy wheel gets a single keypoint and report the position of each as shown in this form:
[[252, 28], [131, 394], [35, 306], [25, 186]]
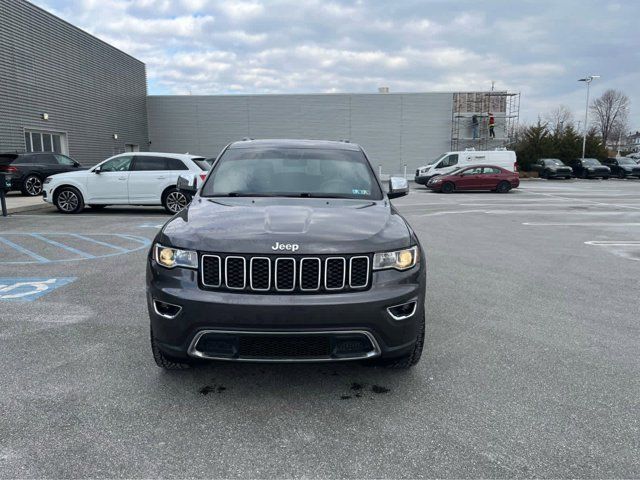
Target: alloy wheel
[[68, 201], [33, 185], [176, 201]]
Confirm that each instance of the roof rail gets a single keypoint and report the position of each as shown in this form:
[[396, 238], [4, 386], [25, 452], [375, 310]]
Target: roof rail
[[246, 139], [344, 140]]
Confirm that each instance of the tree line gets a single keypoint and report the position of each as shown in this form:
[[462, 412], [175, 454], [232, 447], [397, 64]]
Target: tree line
[[557, 136]]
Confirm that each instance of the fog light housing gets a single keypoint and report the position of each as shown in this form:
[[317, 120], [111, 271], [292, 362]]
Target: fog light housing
[[166, 310], [403, 311]]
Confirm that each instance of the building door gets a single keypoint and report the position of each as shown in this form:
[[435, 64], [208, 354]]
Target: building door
[[131, 147], [43, 141]]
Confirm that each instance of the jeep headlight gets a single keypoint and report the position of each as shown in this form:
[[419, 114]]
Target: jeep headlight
[[400, 259], [173, 257]]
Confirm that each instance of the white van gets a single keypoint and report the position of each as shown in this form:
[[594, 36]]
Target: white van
[[447, 162]]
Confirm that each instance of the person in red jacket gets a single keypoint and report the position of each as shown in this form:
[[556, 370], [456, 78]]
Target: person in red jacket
[[492, 124]]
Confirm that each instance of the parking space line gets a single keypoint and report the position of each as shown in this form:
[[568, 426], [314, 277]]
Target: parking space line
[[24, 250], [98, 242], [142, 240], [614, 243], [585, 224], [62, 245]]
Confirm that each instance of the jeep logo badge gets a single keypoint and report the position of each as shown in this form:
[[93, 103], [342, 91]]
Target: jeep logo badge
[[291, 247]]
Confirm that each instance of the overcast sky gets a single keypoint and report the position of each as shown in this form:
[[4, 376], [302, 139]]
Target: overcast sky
[[539, 48]]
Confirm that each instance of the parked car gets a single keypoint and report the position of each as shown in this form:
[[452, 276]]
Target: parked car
[[480, 177], [590, 168], [623, 167], [450, 161], [552, 168], [29, 170], [141, 178], [289, 251]]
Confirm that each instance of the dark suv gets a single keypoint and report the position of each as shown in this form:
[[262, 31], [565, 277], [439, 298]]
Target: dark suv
[[552, 168], [289, 251], [623, 167], [29, 170], [590, 168]]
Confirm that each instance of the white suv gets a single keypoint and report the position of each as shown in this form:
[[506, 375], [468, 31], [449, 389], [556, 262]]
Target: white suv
[[141, 178]]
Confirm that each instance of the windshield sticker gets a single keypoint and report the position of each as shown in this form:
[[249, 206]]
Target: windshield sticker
[[355, 191]]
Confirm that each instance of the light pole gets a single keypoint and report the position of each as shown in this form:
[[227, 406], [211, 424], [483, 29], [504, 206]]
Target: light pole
[[588, 81]]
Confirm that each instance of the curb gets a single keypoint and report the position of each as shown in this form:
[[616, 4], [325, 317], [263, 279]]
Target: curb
[[28, 208]]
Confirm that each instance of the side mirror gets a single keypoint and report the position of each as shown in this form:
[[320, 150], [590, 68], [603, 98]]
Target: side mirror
[[76, 165], [97, 170], [398, 187], [187, 184]]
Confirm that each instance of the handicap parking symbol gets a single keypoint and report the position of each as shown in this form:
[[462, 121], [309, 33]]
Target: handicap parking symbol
[[28, 289]]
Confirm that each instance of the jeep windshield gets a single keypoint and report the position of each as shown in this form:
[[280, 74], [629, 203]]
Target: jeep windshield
[[292, 172]]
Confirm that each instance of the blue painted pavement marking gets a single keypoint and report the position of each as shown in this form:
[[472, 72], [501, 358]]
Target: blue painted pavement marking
[[63, 246], [24, 250], [29, 289], [98, 242], [7, 257]]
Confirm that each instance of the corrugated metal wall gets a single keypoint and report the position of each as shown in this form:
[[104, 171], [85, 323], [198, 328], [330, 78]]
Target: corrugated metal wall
[[90, 89], [394, 129]]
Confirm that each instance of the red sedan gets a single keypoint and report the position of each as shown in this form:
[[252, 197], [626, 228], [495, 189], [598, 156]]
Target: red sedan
[[478, 177]]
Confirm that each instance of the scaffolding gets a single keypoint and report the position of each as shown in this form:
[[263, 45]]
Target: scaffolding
[[503, 105]]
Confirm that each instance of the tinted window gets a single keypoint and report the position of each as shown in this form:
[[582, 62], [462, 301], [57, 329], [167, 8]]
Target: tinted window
[[293, 172], [626, 161], [7, 159], [119, 164], [148, 163], [591, 162], [64, 160], [175, 164], [46, 159]]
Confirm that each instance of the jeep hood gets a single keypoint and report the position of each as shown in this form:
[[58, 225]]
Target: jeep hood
[[317, 226]]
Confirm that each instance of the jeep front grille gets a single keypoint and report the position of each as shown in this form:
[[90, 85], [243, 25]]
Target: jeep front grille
[[292, 274]]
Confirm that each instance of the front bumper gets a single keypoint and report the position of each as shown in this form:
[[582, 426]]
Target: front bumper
[[598, 173], [421, 180], [362, 313], [560, 173]]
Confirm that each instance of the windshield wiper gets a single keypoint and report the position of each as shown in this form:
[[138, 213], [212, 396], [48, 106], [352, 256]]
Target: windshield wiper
[[244, 194]]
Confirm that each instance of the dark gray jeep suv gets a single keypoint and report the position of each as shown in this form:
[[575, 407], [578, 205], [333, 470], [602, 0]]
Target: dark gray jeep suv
[[289, 251]]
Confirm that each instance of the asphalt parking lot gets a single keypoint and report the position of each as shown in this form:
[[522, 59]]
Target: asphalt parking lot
[[531, 365]]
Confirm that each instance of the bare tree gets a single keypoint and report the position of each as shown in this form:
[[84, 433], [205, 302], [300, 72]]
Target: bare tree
[[611, 111], [558, 119]]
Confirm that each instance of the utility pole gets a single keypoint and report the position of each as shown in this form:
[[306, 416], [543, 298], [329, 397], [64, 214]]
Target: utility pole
[[588, 81]]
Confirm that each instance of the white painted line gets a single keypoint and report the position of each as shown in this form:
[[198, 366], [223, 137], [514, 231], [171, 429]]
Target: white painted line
[[588, 201], [592, 224], [614, 243]]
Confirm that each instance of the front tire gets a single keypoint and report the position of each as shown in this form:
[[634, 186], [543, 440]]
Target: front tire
[[174, 201], [32, 185], [163, 360], [448, 187], [68, 200], [622, 175], [503, 187], [605, 178]]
